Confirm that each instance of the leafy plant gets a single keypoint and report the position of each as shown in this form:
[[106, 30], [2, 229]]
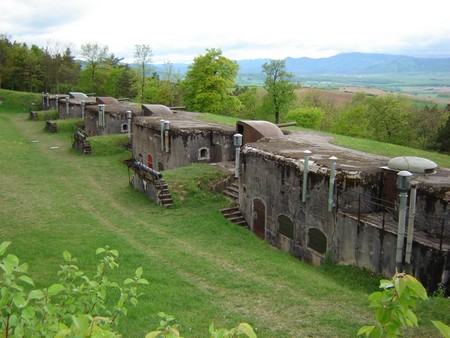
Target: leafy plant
[[394, 307], [168, 329], [75, 306]]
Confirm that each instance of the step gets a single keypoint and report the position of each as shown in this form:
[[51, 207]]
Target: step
[[236, 218], [231, 195], [224, 210]]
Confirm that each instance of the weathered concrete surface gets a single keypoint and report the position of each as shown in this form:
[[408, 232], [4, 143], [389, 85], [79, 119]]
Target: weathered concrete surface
[[187, 141], [271, 180]]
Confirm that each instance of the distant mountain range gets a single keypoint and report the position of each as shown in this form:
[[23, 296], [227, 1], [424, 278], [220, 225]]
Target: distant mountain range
[[346, 64]]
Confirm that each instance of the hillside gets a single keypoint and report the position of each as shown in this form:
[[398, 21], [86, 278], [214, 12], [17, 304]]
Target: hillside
[[346, 64]]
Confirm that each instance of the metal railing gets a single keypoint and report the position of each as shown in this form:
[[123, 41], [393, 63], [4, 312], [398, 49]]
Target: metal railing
[[382, 210]]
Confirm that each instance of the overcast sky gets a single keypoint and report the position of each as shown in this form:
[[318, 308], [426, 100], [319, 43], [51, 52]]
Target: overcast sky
[[179, 30]]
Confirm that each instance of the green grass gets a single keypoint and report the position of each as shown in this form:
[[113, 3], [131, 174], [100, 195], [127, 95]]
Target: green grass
[[13, 101], [201, 268], [44, 115], [227, 120], [390, 150]]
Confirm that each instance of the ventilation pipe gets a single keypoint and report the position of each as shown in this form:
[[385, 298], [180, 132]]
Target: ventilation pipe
[[333, 160], [166, 125], [306, 154], [162, 134], [67, 105], [237, 142], [44, 102], [403, 185], [83, 104], [128, 114], [48, 100], [411, 217], [101, 115]]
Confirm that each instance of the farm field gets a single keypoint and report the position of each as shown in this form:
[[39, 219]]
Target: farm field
[[201, 268]]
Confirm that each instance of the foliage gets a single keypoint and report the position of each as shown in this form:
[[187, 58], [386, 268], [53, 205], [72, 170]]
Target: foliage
[[208, 85], [443, 137], [36, 69], [280, 90], [78, 305], [167, 329], [306, 117], [251, 102], [394, 306], [443, 329], [95, 55], [143, 58], [426, 123], [389, 119], [352, 122]]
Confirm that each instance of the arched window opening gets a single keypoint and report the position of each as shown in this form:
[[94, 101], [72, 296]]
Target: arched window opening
[[160, 166], [317, 240], [203, 153], [286, 226]]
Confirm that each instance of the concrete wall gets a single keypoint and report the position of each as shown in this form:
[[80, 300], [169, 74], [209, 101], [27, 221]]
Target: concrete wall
[[185, 146], [115, 123], [277, 182], [74, 110]]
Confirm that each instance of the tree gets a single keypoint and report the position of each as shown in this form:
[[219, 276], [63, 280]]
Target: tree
[[278, 85], [443, 137], [126, 83], [170, 86], [389, 119], [351, 122], [5, 48], [426, 122], [94, 54], [143, 57], [309, 117], [208, 85]]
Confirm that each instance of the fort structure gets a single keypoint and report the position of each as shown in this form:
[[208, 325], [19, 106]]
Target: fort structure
[[313, 199], [109, 116], [72, 106]]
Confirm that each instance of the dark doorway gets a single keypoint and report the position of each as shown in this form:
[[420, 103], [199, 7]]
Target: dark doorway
[[150, 161], [259, 218]]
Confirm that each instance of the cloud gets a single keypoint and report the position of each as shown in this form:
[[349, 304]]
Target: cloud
[[179, 30]]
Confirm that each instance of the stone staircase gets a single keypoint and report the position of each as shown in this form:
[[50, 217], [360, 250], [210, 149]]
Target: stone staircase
[[234, 216], [232, 192], [164, 195]]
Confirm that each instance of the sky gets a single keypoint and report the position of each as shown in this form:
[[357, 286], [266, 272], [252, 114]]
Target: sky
[[179, 30]]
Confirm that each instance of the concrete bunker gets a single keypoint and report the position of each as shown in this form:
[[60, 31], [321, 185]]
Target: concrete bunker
[[349, 221]]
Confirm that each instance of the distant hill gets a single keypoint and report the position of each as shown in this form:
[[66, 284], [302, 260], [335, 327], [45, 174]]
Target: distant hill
[[363, 63], [346, 64]]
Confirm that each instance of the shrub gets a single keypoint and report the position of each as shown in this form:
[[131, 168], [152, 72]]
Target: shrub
[[310, 117]]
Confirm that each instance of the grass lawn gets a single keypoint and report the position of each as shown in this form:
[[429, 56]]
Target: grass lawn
[[201, 268]]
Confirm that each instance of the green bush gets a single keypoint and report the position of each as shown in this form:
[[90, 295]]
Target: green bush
[[77, 305], [309, 117]]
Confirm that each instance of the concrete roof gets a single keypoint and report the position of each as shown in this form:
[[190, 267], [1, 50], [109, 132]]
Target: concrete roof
[[293, 145], [182, 124]]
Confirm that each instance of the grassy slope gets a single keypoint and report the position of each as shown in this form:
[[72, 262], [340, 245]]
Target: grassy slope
[[201, 268]]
